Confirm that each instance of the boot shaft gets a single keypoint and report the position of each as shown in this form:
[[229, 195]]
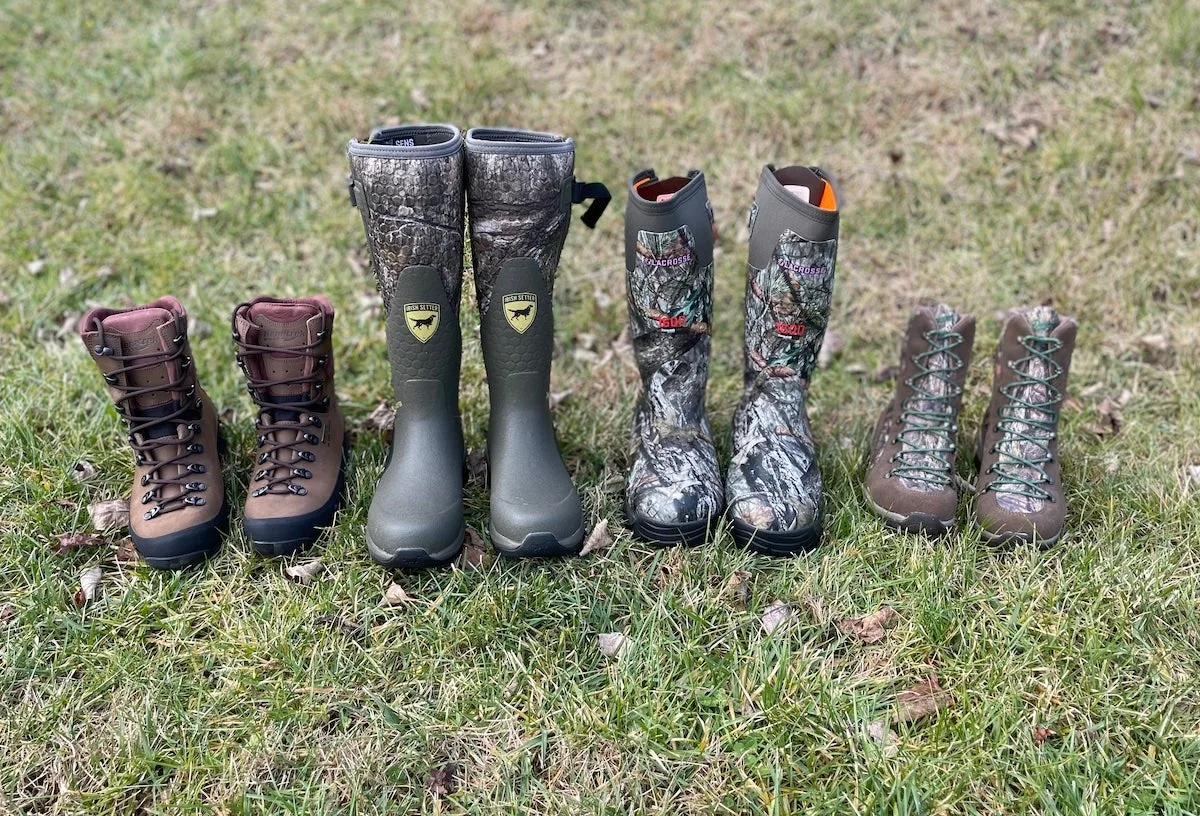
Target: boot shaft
[[407, 183], [669, 287], [789, 287], [519, 191]]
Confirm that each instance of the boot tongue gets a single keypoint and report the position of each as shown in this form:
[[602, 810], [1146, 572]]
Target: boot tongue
[[283, 326], [142, 332], [1043, 320]]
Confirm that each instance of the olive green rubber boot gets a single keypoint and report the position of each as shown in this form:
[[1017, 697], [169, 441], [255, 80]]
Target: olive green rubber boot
[[520, 189], [407, 183]]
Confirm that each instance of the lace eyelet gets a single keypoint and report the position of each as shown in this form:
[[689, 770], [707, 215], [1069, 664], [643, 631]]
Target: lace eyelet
[[195, 501], [196, 486], [307, 456], [302, 473], [298, 489], [262, 474], [195, 447], [262, 458], [152, 512], [194, 427], [145, 480], [147, 497], [195, 467], [311, 439], [110, 379]]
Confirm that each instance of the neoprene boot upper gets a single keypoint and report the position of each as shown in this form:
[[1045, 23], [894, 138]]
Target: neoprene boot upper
[[520, 187], [911, 481], [1019, 492], [285, 349], [407, 183], [773, 485], [675, 488], [178, 507]]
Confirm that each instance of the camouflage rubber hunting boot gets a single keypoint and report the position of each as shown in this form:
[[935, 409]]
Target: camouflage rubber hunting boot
[[1019, 493], [911, 482], [520, 187], [774, 484], [675, 489], [407, 183], [178, 508], [285, 349]]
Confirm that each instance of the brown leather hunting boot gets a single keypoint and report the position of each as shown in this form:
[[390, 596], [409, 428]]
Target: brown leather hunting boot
[[285, 349], [1019, 492], [178, 508], [911, 481]]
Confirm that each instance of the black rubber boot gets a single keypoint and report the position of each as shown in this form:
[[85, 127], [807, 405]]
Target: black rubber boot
[[520, 189], [408, 185], [675, 490]]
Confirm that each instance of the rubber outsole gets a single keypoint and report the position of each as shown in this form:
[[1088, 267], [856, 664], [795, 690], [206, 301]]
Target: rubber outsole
[[776, 542], [536, 545], [286, 535], [688, 534], [925, 523], [1008, 539], [415, 558], [187, 547]]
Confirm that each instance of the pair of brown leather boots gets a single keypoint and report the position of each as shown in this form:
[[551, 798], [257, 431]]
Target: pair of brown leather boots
[[179, 508], [911, 480]]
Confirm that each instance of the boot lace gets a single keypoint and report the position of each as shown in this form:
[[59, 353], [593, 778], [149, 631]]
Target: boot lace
[[929, 430], [279, 460], [1027, 423], [186, 415]]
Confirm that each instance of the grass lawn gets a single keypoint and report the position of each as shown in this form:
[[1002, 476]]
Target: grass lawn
[[989, 154]]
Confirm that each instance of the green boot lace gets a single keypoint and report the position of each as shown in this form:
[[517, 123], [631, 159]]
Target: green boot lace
[[1028, 422], [928, 436]]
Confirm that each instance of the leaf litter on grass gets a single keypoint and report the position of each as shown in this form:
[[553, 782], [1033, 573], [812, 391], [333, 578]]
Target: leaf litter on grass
[[109, 515], [305, 574], [599, 540], [868, 628]]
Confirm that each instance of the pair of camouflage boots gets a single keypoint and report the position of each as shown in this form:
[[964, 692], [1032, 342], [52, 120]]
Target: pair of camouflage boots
[[911, 480], [179, 507], [772, 489], [408, 183]]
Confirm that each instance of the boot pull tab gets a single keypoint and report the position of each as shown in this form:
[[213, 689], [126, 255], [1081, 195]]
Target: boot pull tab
[[598, 193]]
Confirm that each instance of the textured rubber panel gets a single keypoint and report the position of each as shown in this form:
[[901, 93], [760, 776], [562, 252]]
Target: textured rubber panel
[[531, 491], [416, 515], [688, 534], [771, 542]]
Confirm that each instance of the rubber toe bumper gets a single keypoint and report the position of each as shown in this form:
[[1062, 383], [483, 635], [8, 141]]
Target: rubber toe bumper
[[186, 547], [400, 541], [286, 535], [776, 542]]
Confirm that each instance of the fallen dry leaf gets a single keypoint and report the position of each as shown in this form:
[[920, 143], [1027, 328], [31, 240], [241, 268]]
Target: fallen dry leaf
[[83, 470], [474, 555], [419, 98], [89, 586], [1156, 348], [7, 613], [201, 213], [442, 781], [337, 622], [868, 628], [884, 737], [66, 543], [304, 574], [395, 595], [1111, 419], [738, 588], [109, 515], [1041, 734], [380, 419], [778, 614], [613, 644], [557, 398], [923, 699], [1193, 472], [67, 503], [829, 349], [35, 267], [599, 540], [477, 464], [127, 553]]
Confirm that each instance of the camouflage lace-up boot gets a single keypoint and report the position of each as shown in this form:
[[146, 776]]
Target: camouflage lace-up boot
[[1019, 492], [774, 485], [675, 489], [178, 508], [407, 183], [911, 482], [285, 349], [520, 187]]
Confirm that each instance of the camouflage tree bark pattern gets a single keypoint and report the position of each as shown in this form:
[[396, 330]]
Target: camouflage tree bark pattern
[[674, 476], [520, 208], [773, 481], [412, 211]]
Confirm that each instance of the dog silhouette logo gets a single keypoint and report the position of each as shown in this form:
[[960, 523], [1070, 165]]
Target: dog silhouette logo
[[520, 309], [422, 319]]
